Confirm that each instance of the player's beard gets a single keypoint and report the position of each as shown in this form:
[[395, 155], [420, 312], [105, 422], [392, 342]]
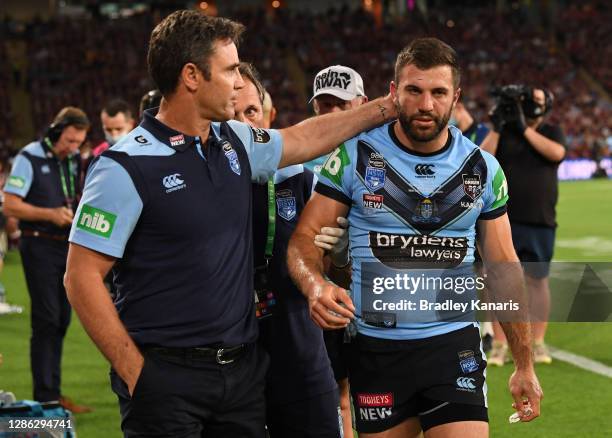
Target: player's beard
[[422, 136]]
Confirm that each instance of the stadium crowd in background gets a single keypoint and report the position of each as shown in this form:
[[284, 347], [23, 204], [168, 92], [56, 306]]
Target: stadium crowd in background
[[58, 75]]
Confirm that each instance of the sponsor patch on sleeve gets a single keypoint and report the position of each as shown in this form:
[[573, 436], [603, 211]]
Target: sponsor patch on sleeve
[[96, 221], [260, 135], [16, 181], [500, 189], [333, 168]]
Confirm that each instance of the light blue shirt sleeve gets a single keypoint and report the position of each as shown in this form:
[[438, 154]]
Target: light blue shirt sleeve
[[338, 170], [264, 148], [20, 179], [108, 211]]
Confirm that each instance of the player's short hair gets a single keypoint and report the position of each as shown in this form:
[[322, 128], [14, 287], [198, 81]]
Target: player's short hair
[[426, 53], [116, 106], [184, 37], [248, 71]]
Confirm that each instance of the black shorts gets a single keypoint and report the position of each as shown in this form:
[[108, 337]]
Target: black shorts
[[338, 352], [315, 417], [534, 246], [440, 379]]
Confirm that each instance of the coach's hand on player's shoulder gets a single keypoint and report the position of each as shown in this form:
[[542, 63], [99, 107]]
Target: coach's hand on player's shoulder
[[526, 392], [330, 306], [61, 216]]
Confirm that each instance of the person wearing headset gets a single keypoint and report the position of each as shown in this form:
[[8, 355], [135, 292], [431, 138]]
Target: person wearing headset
[[42, 191]]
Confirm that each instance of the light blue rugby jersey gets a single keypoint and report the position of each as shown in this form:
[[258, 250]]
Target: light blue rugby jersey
[[409, 208]]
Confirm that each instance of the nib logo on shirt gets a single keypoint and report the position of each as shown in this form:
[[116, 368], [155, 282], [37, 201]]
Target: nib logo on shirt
[[96, 221]]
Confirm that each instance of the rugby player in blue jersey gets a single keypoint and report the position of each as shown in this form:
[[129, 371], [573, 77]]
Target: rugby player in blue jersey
[[414, 190]]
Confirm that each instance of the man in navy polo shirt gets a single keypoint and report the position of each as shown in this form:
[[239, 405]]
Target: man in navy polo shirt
[[172, 202], [42, 192]]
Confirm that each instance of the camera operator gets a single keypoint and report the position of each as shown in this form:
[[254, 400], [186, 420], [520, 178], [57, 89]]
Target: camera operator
[[529, 150]]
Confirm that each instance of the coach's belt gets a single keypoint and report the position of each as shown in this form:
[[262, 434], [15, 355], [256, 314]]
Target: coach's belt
[[221, 355], [33, 233]]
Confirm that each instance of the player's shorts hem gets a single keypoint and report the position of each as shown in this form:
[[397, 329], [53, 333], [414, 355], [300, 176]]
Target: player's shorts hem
[[449, 412]]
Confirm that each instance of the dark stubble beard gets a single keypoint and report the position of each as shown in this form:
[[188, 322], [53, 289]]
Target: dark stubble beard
[[414, 134]]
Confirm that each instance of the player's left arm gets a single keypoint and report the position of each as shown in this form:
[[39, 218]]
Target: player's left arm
[[505, 282], [551, 149]]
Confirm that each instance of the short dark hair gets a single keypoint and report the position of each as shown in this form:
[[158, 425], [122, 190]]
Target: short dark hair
[[116, 106], [426, 53], [71, 116], [248, 71], [183, 37]]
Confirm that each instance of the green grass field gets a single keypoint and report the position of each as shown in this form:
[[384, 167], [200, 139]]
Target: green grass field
[[577, 403]]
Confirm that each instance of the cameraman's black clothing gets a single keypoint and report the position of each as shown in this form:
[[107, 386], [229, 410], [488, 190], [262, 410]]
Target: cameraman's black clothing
[[532, 179]]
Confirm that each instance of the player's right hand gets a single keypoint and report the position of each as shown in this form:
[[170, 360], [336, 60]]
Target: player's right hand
[[62, 216], [330, 306]]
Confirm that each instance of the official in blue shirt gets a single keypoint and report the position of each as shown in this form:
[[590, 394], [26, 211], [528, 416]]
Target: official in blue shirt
[[301, 395], [42, 192], [171, 203]]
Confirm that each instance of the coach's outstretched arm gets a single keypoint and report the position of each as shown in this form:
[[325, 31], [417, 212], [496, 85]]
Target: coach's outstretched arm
[[305, 262], [319, 135], [84, 282], [505, 281]]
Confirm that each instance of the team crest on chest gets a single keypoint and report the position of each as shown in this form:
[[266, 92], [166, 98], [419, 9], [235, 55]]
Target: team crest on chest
[[285, 204], [374, 178], [232, 157], [471, 185]]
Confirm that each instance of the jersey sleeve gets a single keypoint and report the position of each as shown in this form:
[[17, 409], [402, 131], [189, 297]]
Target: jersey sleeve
[[495, 195], [336, 177], [108, 211], [20, 179], [264, 148]]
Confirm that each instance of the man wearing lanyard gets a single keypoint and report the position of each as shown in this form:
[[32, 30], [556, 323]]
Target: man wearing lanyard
[[42, 193], [301, 395]]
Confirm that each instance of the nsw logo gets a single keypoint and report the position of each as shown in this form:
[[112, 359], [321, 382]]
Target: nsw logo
[[466, 384], [96, 221], [375, 178], [286, 207], [425, 170], [173, 182], [232, 157]]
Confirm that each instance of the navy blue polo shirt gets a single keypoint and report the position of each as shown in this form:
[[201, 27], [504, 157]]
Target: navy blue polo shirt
[[176, 212], [299, 367], [35, 177]]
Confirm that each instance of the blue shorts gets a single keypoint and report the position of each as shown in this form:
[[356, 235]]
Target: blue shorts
[[534, 246]]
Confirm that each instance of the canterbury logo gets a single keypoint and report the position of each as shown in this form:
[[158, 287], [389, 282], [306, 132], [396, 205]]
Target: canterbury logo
[[171, 181], [424, 169], [466, 382]]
